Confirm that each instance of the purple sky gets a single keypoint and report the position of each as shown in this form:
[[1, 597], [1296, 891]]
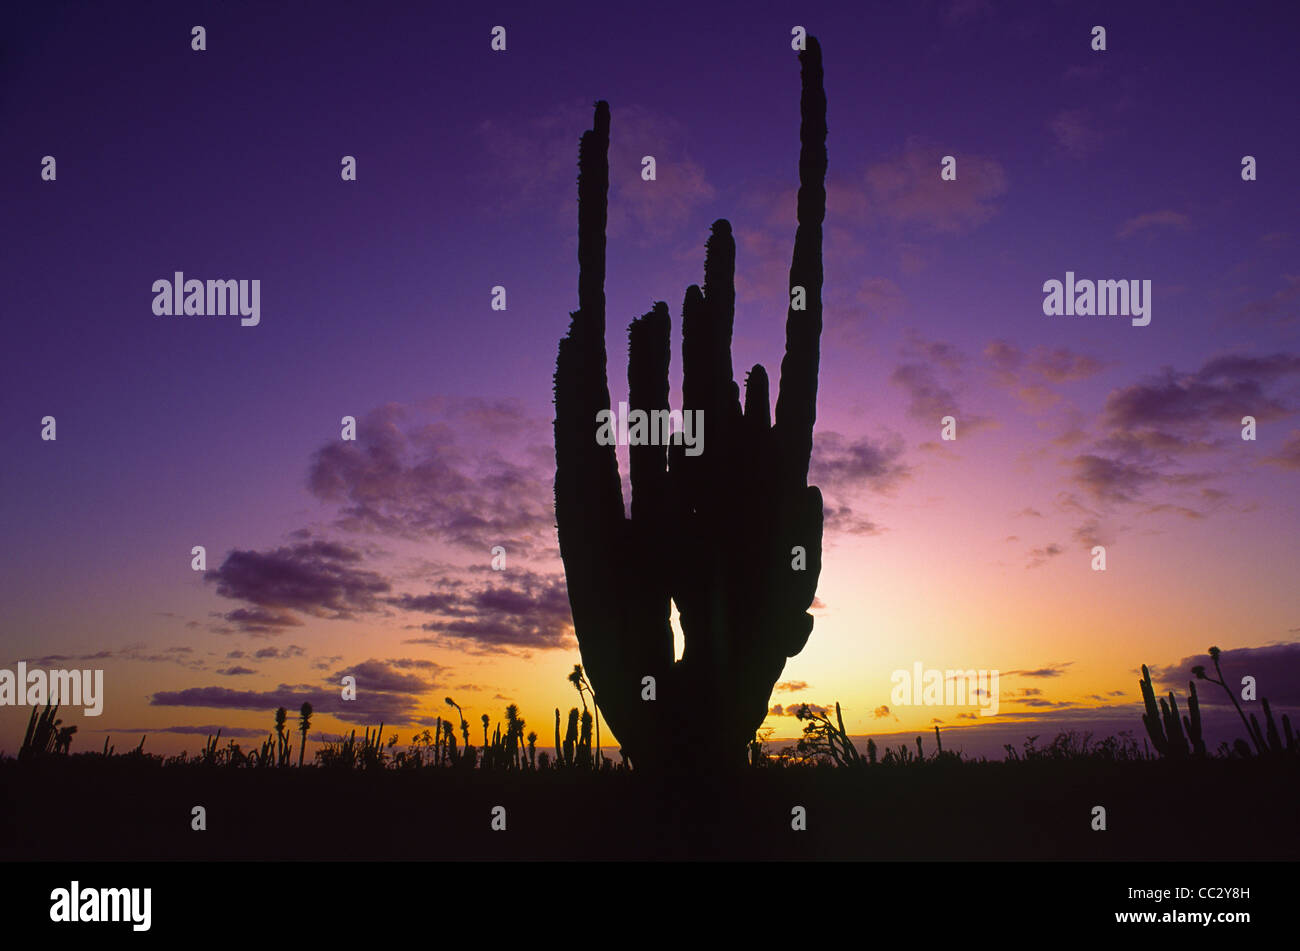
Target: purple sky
[[1123, 164]]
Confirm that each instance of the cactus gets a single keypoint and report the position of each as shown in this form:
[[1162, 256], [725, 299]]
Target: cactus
[[714, 532], [571, 738], [210, 756], [1154, 719], [282, 737]]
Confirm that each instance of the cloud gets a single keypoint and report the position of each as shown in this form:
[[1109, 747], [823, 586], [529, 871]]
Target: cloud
[[1074, 134], [370, 706], [1154, 219], [262, 620], [793, 686], [1287, 457], [1052, 670], [881, 712], [140, 653], [1225, 389], [839, 463], [240, 732], [1040, 556], [1111, 480], [1031, 376], [880, 297], [907, 189], [317, 578], [1279, 308], [279, 653], [236, 671], [792, 710], [1155, 427], [1275, 667], [390, 675], [841, 519], [411, 478], [929, 400], [524, 610]]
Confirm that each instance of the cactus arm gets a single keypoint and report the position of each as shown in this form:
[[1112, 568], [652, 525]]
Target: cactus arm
[[796, 404]]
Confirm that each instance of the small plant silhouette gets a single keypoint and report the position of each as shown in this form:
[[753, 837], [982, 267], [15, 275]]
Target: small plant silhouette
[[45, 736], [1267, 741], [304, 724]]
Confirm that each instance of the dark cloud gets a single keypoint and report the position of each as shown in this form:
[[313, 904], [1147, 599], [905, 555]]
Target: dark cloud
[[1275, 667], [239, 732], [369, 707], [929, 400], [262, 620], [318, 578], [1039, 556], [390, 675], [415, 479], [1040, 702], [1154, 428], [1111, 480], [838, 463], [280, 653], [523, 609], [1224, 390], [236, 671], [140, 653], [1052, 670]]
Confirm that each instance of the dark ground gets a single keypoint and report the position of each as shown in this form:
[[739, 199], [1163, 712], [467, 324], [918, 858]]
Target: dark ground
[[90, 809]]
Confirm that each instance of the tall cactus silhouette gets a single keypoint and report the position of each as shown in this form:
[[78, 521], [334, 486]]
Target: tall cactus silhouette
[[715, 533]]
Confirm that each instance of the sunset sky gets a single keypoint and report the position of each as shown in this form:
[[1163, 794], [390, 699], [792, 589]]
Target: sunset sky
[[372, 558]]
